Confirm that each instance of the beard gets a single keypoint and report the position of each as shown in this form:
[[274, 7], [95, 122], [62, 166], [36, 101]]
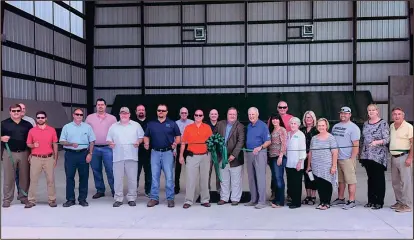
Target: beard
[[141, 115], [41, 123]]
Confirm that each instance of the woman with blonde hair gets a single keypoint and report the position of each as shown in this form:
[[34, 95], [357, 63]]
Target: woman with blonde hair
[[374, 155], [309, 129]]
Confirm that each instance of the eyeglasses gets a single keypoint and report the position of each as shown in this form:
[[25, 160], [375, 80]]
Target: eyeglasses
[[79, 114], [41, 117], [198, 115], [15, 111], [282, 107], [160, 110]]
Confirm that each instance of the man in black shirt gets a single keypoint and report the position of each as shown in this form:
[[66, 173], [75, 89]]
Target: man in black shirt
[[14, 131], [144, 155]]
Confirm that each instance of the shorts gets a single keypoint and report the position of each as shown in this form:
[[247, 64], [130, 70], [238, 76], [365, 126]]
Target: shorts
[[347, 171]]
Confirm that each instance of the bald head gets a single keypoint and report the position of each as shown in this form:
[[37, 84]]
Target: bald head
[[213, 115], [183, 113]]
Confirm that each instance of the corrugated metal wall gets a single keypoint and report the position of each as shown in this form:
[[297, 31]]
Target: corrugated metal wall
[[40, 63], [275, 62]]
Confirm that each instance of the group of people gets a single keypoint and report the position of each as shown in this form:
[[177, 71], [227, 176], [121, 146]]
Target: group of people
[[326, 158]]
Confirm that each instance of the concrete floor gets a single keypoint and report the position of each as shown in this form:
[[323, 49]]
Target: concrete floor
[[101, 220]]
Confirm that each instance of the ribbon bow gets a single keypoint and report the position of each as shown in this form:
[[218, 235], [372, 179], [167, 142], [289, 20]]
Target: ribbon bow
[[217, 144]]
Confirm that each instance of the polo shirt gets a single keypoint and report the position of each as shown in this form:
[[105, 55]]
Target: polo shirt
[[182, 124], [400, 138], [162, 134], [124, 136], [194, 134], [211, 125], [81, 134], [143, 124], [100, 126], [286, 118], [30, 120], [17, 132], [45, 137], [257, 134]]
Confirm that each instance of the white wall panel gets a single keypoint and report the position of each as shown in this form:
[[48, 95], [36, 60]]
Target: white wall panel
[[266, 11], [117, 15], [223, 76], [78, 96], [267, 75], [44, 39], [78, 51], [298, 74], [225, 12], [266, 32], [195, 91], [162, 35], [44, 68], [331, 52], [223, 55], [332, 9], [18, 61], [117, 77], [23, 34], [115, 2], [380, 72], [117, 36], [193, 13], [298, 53], [192, 56], [383, 111], [382, 8], [267, 54], [193, 76], [299, 10], [383, 29], [331, 73], [378, 92], [61, 17], [63, 94], [333, 30], [45, 91], [78, 76], [163, 77], [162, 14], [383, 51], [62, 45], [18, 88], [117, 57], [109, 95], [44, 10], [26, 6], [300, 89], [163, 56], [62, 72], [225, 34]]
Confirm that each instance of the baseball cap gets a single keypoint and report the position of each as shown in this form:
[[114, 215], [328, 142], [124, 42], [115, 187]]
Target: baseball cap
[[345, 109], [124, 109]]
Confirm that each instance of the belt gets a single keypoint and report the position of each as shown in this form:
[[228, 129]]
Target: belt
[[77, 151], [200, 153], [100, 145], [18, 151], [162, 149], [43, 156], [399, 155]]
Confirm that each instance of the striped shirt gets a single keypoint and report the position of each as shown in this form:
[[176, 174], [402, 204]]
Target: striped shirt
[[321, 162]]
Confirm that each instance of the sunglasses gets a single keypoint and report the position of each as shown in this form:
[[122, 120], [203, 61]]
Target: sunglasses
[[79, 114], [41, 117], [159, 110], [197, 115], [282, 107], [15, 111], [183, 113]]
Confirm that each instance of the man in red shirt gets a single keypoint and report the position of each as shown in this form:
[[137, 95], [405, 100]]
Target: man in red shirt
[[41, 139]]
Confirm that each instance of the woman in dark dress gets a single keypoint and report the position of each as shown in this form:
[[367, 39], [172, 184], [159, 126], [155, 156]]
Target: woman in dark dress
[[309, 129]]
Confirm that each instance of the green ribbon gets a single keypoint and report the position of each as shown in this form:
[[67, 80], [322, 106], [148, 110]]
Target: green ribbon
[[215, 145], [14, 169]]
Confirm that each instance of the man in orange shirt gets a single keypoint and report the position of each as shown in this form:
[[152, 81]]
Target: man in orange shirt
[[41, 139], [198, 160]]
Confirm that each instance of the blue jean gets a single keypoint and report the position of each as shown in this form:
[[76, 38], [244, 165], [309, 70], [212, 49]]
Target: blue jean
[[102, 155], [164, 161], [76, 161], [277, 174]]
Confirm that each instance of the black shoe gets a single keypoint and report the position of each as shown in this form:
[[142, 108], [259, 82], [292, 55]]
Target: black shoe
[[377, 206], [69, 203], [293, 206], [98, 195], [83, 203], [368, 205], [177, 190], [132, 203], [117, 204]]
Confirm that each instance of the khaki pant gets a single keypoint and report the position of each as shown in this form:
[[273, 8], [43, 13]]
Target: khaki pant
[[197, 169], [401, 180], [20, 160], [347, 171], [37, 165]]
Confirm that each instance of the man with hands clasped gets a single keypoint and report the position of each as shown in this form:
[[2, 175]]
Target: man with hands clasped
[[124, 138]]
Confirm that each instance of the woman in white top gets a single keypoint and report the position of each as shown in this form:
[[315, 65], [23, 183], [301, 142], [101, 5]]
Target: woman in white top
[[296, 154]]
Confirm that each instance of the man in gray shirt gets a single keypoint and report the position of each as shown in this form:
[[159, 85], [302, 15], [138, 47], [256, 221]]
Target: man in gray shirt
[[347, 135], [182, 123]]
